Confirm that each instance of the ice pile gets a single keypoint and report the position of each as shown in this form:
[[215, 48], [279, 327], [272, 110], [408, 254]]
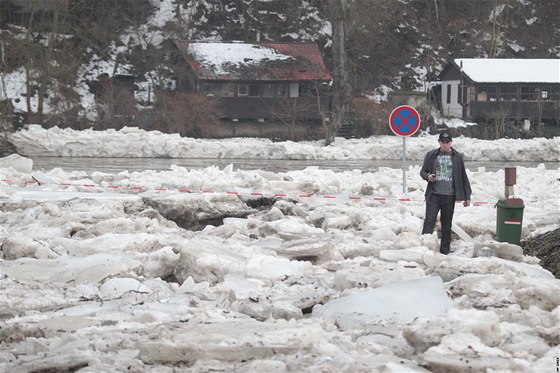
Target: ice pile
[[131, 142], [99, 280]]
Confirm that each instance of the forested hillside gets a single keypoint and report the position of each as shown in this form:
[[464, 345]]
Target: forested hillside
[[50, 54]]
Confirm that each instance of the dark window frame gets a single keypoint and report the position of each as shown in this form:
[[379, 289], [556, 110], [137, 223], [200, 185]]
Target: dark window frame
[[242, 90], [491, 93], [509, 93], [529, 93], [254, 90]]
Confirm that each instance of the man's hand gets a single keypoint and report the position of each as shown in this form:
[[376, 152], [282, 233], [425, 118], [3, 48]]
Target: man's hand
[[466, 203], [431, 178]]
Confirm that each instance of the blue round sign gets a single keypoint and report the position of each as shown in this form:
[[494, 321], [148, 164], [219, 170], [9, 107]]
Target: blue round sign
[[404, 120]]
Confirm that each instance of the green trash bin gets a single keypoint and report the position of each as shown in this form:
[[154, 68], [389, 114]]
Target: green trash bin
[[509, 220]]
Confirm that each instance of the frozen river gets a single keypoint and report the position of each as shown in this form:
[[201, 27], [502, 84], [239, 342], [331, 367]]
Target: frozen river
[[115, 165]]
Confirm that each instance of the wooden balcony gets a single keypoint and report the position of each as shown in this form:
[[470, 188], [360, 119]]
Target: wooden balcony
[[285, 108], [548, 110]]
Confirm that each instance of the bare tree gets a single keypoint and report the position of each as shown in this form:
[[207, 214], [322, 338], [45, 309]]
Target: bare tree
[[340, 13], [47, 61], [188, 114], [370, 117], [556, 114], [500, 19], [320, 107], [288, 114], [500, 118]]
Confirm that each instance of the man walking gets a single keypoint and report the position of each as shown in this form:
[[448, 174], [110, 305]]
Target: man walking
[[444, 170]]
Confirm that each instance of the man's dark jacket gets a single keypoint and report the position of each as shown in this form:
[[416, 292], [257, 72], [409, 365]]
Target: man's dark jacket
[[461, 183]]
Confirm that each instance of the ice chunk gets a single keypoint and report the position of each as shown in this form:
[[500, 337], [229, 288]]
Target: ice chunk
[[17, 162], [501, 249], [465, 352], [529, 269], [411, 255], [242, 287], [429, 332], [67, 323], [262, 310], [233, 340], [42, 179], [543, 364], [66, 269], [56, 362], [294, 228], [116, 287], [398, 303], [461, 233]]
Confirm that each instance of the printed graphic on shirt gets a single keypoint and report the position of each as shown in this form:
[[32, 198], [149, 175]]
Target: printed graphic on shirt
[[444, 171], [444, 175]]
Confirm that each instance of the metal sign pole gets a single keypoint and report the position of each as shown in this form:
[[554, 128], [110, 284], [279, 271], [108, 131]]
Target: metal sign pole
[[404, 121], [404, 165]]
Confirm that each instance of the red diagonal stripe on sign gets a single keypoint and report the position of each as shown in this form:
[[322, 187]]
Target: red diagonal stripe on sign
[[405, 120]]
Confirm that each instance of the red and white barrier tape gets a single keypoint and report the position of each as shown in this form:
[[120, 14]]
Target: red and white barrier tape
[[256, 194]]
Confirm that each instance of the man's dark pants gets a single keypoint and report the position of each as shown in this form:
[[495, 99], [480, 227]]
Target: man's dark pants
[[446, 204]]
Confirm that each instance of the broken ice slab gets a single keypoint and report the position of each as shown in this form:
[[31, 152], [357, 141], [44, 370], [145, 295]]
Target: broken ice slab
[[500, 249], [235, 340], [55, 362], [461, 233], [206, 260], [68, 269], [17, 162], [464, 352], [399, 303], [529, 270]]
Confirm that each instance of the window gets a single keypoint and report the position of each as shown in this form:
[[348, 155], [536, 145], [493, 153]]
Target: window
[[213, 89], [275, 90], [508, 93], [481, 96], [554, 93], [491, 93], [448, 99], [242, 90], [282, 90], [529, 93], [254, 90], [306, 89], [268, 90], [459, 94]]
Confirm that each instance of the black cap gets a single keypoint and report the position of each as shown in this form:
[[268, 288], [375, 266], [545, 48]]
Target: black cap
[[445, 136]]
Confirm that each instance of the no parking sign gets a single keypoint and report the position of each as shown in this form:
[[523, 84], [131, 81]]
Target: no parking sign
[[404, 121]]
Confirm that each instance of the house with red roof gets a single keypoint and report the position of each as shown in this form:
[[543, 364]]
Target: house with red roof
[[259, 82]]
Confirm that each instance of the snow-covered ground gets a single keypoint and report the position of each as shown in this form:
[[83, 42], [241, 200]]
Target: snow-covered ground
[[309, 270]]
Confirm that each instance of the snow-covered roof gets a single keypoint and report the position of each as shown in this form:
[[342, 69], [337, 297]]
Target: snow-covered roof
[[500, 70], [254, 61]]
